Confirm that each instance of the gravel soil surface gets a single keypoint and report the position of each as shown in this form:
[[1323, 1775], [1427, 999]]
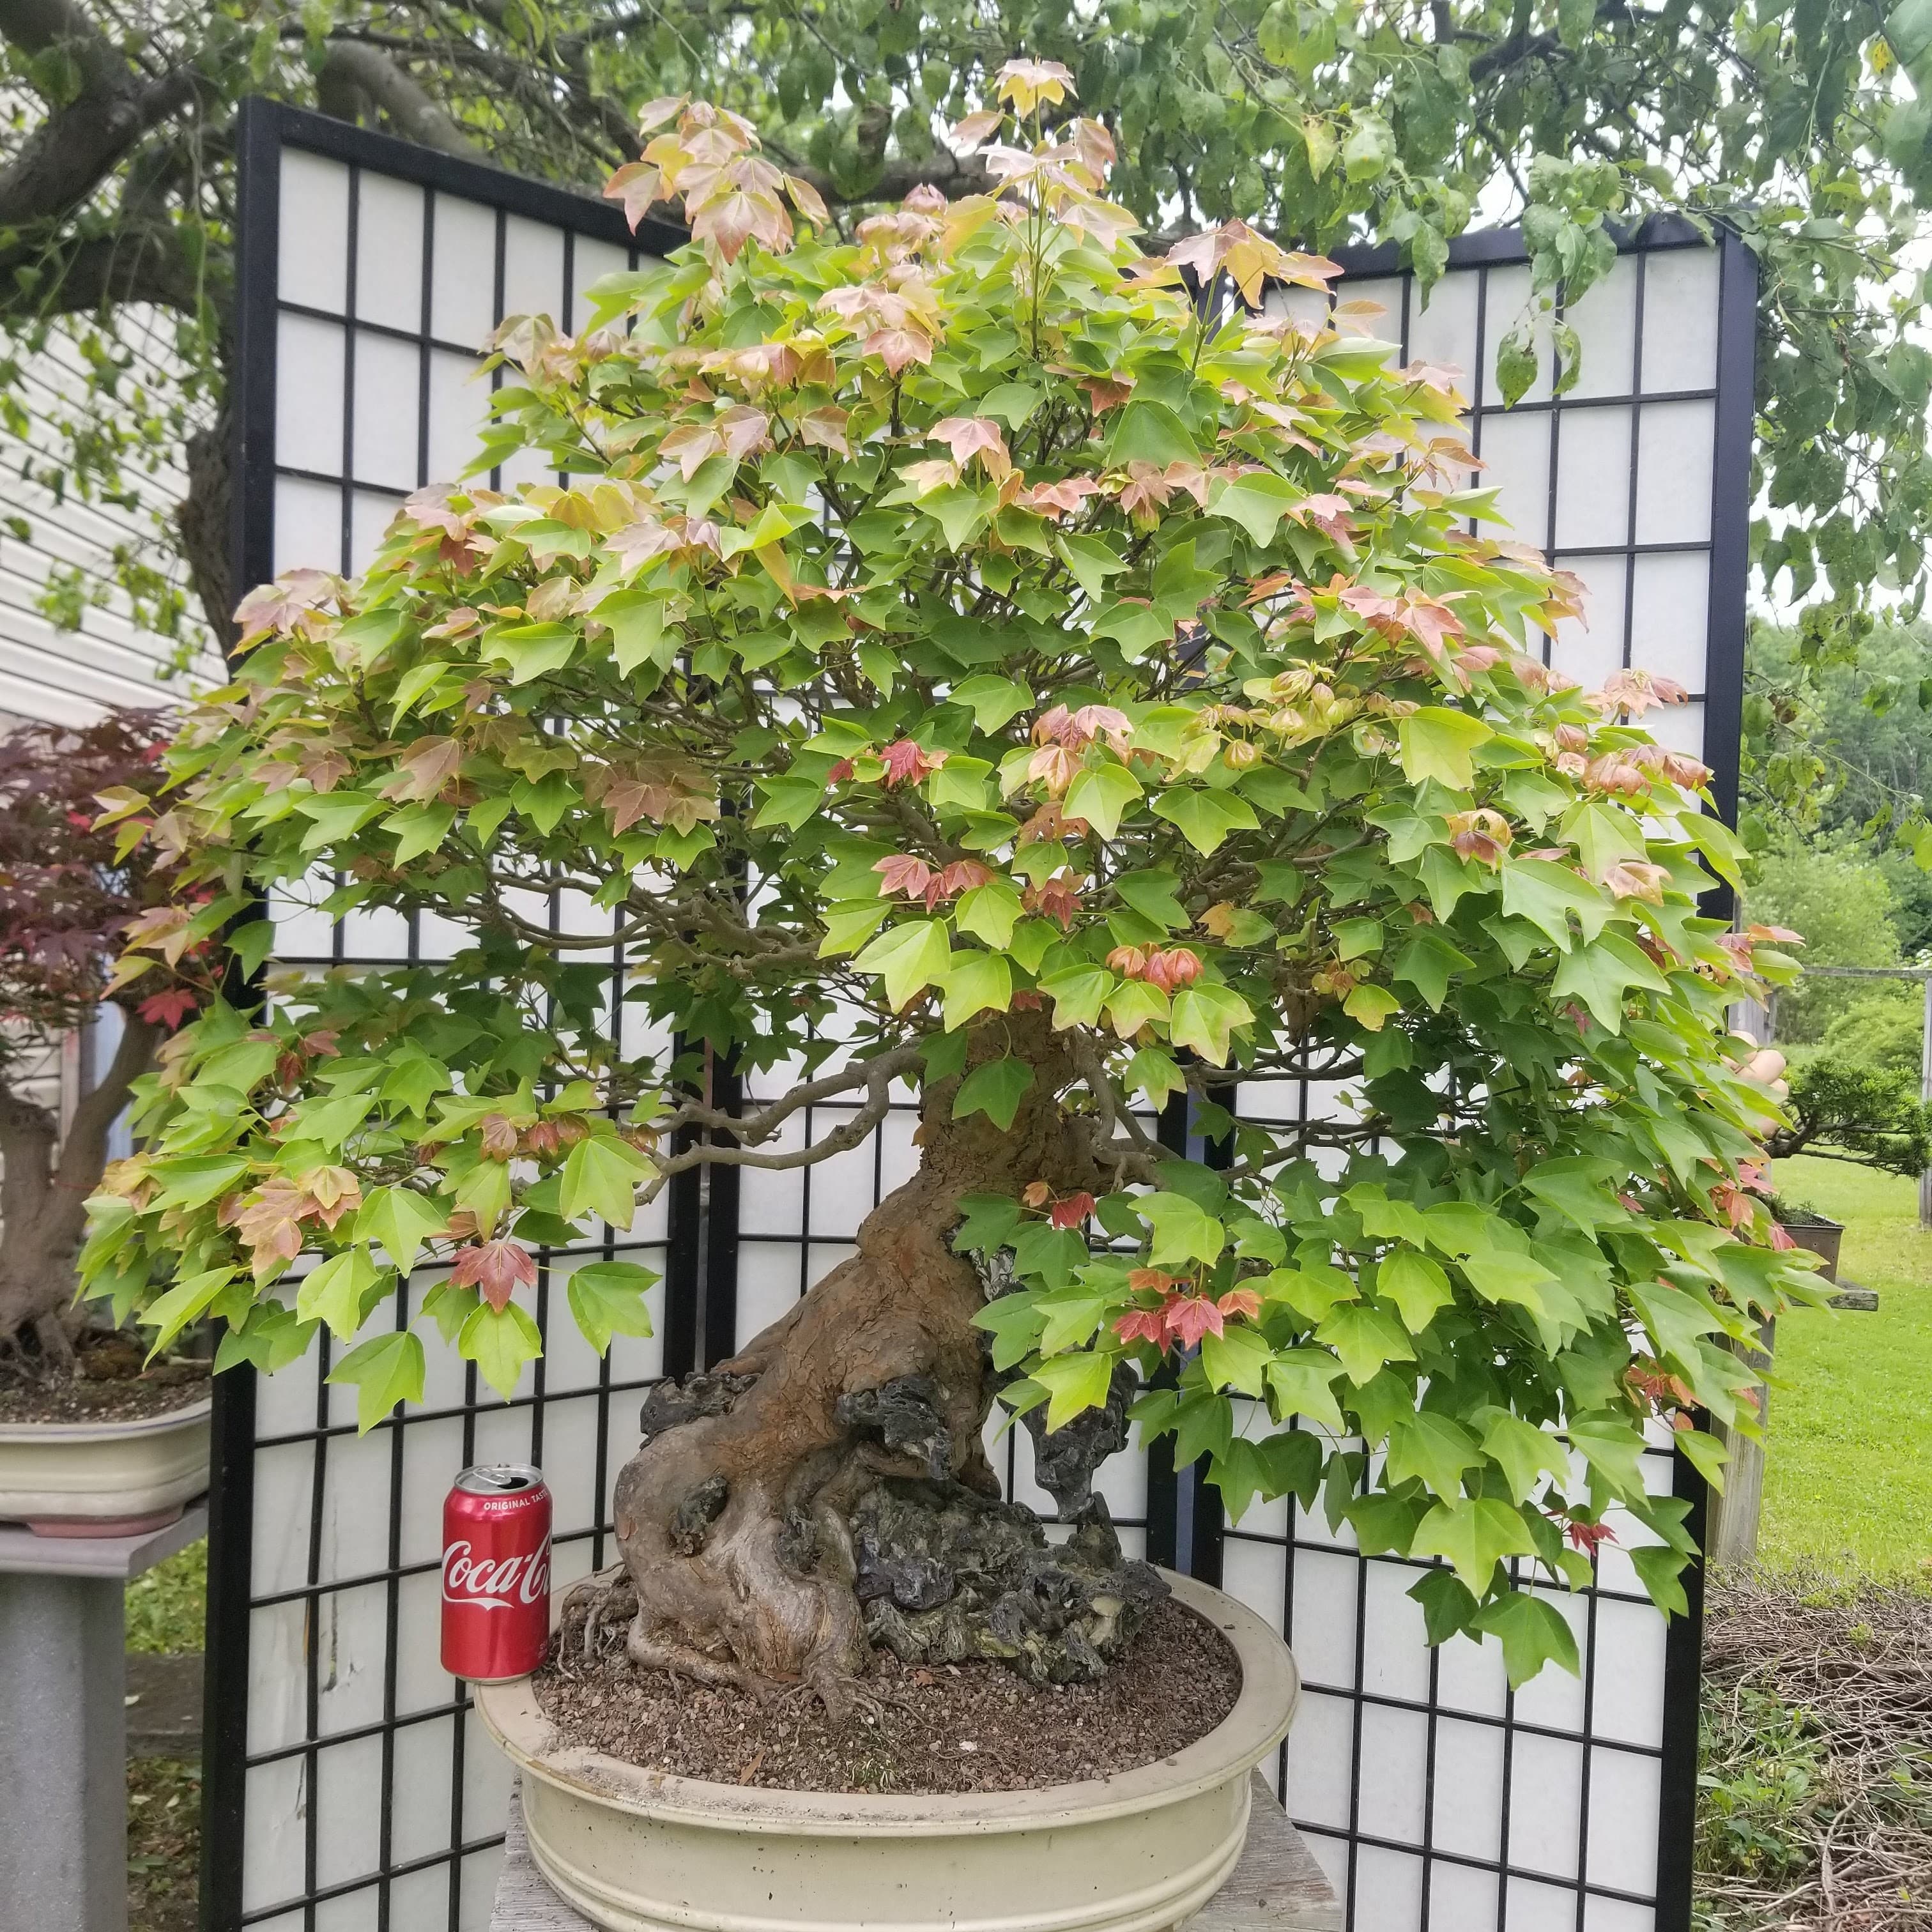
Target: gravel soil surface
[[109, 1384], [948, 1727]]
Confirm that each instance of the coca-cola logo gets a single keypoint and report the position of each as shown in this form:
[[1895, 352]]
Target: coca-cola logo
[[494, 1585]]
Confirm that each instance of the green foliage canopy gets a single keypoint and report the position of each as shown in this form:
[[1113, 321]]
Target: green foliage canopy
[[954, 622]]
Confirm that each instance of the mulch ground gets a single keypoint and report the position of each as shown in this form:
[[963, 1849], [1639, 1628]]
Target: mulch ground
[[1816, 1806], [163, 1844], [943, 1727], [109, 1384]]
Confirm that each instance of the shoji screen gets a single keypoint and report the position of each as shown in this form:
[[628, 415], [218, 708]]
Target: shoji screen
[[1437, 1800], [349, 1790]]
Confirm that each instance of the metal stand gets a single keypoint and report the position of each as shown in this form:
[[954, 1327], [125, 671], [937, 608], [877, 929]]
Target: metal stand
[[63, 1722]]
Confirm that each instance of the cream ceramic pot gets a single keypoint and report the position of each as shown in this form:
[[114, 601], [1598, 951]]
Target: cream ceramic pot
[[640, 1851], [100, 1476]]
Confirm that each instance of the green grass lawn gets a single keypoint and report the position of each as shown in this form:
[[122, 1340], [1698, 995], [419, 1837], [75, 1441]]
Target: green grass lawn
[[167, 1607], [1848, 1491]]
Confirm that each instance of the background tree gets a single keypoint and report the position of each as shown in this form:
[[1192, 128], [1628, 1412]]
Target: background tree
[[1799, 123], [1832, 892], [985, 669]]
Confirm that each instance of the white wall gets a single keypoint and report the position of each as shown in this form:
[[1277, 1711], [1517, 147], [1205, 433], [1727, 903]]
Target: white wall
[[64, 676]]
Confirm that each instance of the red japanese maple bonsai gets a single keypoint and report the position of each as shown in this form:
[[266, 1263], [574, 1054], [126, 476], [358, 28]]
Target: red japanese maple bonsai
[[71, 896]]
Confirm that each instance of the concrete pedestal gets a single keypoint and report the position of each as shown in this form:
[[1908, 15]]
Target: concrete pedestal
[[63, 1723]]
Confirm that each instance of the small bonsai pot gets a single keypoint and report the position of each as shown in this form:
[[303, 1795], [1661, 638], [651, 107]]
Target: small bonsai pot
[[642, 1851], [1823, 1237], [113, 1477]]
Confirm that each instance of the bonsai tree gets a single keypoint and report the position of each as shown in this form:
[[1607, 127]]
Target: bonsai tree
[[71, 896], [1849, 1109], [974, 657]]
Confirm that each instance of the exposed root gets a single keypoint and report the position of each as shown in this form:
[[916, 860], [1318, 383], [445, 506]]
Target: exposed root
[[650, 1653], [737, 1518]]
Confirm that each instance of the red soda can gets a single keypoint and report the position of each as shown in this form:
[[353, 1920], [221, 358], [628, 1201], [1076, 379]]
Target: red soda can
[[495, 1573]]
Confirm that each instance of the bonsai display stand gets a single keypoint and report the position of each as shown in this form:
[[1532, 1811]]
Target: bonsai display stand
[[1276, 1887], [64, 1722]]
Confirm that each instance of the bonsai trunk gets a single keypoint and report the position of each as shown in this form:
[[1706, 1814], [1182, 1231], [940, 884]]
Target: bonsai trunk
[[830, 1480], [43, 1196]]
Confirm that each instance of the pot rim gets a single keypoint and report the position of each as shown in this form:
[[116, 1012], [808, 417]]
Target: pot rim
[[1265, 1705], [109, 1429]]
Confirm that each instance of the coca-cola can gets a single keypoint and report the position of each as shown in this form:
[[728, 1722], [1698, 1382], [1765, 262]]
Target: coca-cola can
[[495, 1573]]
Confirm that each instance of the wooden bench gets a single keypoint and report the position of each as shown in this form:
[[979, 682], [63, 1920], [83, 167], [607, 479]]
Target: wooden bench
[[1277, 1886]]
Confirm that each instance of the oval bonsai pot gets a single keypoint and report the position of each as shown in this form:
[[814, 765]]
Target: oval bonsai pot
[[105, 1478], [643, 1851], [1823, 1238]]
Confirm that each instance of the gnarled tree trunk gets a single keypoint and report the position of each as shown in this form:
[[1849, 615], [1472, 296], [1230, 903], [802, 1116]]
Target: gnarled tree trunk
[[43, 1195], [828, 1489]]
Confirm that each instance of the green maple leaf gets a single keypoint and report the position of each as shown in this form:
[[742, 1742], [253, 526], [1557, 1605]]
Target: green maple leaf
[[1524, 1453], [1100, 793], [1301, 1381], [1204, 818], [1440, 744], [1473, 1535], [403, 1220], [607, 1298], [1237, 1358], [500, 1341], [1205, 1017], [1417, 1285], [1364, 1338], [340, 1289], [995, 1088], [1433, 1448], [1075, 1383], [1533, 1632], [600, 1176], [978, 982], [384, 1371], [1183, 1231], [912, 955]]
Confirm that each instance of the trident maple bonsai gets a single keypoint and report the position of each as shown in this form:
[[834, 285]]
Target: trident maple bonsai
[[71, 895], [961, 660]]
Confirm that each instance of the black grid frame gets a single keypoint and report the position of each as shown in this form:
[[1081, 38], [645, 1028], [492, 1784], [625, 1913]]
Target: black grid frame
[[345, 1783], [730, 1262]]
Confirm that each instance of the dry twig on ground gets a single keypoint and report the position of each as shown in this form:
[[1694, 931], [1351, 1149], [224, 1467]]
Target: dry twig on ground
[[1815, 1805]]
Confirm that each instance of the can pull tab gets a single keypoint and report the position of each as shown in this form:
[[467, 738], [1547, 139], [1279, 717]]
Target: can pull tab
[[503, 1480]]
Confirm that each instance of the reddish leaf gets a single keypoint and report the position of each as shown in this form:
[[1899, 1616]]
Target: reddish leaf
[[170, 1009], [968, 437], [1587, 1536], [1189, 1317], [905, 874], [1142, 1325], [1171, 967], [424, 770], [1070, 1212], [962, 876], [906, 764], [495, 1268], [1057, 898]]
